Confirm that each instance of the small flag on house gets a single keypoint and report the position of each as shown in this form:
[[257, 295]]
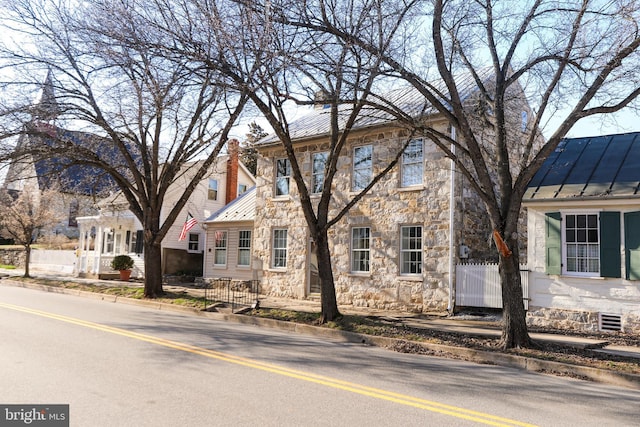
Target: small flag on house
[[188, 225]]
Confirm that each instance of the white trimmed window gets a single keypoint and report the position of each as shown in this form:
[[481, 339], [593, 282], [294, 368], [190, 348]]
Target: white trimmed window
[[362, 167], [244, 248], [279, 258], [319, 162], [212, 192], [411, 249], [360, 243], [582, 243], [242, 188], [412, 163], [193, 244], [220, 248], [107, 243], [283, 177]]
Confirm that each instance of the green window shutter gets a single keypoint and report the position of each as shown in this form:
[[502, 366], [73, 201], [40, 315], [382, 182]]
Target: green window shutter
[[610, 259], [632, 245], [553, 243]]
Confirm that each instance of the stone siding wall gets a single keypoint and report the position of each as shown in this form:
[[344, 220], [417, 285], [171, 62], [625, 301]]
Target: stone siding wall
[[573, 320], [13, 257]]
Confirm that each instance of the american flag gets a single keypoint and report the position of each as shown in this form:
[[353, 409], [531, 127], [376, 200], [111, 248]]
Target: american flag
[[188, 225]]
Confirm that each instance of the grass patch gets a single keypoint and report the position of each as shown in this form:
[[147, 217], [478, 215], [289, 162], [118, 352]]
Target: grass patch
[[8, 267], [134, 291]]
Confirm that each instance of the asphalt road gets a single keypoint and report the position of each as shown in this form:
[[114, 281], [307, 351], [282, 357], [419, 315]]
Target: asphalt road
[[124, 365]]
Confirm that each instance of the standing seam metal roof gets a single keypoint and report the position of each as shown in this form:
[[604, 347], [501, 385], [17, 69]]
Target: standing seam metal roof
[[590, 167], [317, 121]]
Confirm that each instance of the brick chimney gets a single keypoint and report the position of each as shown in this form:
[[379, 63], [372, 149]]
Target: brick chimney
[[233, 146]]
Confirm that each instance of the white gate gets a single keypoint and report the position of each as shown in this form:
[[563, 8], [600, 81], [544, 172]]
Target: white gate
[[478, 285]]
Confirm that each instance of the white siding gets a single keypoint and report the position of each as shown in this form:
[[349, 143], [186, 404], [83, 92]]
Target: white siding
[[616, 296], [231, 269]]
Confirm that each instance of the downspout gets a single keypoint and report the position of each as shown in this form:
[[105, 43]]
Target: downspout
[[452, 230]]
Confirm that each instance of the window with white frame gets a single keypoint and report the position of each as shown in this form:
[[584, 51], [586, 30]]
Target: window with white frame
[[193, 244], [212, 192], [362, 167], [582, 243], [411, 249], [244, 248], [107, 243], [412, 163], [242, 188], [319, 161], [360, 243], [279, 259], [220, 248], [283, 176]]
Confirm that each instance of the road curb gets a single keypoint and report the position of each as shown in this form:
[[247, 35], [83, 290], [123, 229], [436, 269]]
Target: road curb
[[603, 376]]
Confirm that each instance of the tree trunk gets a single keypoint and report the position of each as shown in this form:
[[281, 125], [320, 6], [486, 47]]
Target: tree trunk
[[514, 329], [152, 270], [328, 303], [27, 260]]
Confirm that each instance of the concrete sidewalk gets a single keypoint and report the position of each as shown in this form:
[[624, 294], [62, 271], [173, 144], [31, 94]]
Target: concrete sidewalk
[[487, 326]]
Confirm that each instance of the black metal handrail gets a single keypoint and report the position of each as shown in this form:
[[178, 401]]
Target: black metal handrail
[[234, 293]]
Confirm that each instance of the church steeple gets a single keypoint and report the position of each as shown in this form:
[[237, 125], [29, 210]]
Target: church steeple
[[47, 108]]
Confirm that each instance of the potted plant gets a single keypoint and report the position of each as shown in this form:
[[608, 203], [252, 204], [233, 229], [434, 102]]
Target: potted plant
[[123, 263]]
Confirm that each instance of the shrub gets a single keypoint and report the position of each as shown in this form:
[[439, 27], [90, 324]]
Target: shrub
[[122, 262]]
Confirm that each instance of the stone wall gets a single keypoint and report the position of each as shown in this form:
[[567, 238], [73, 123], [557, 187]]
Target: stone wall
[[13, 257], [573, 320]]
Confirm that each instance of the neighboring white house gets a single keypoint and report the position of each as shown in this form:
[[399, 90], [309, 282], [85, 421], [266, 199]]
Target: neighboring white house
[[584, 235], [115, 230], [229, 237]]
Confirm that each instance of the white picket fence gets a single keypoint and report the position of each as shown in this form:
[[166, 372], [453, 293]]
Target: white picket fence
[[478, 285]]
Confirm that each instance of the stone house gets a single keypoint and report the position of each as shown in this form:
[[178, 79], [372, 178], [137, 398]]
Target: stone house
[[398, 246], [584, 235]]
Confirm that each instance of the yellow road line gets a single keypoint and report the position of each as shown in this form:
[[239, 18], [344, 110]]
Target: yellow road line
[[402, 399]]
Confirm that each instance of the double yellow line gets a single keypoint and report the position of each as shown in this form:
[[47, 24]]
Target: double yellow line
[[376, 393]]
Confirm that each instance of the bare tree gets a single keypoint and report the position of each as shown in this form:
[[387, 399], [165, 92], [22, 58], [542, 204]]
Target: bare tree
[[277, 65], [24, 214], [154, 119], [569, 60]]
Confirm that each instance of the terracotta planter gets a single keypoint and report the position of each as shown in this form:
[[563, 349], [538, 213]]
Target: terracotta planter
[[125, 275]]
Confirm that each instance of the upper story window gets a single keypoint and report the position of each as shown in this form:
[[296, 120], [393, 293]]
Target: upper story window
[[360, 243], [283, 177], [242, 188], [412, 163], [411, 250], [319, 161], [524, 120], [220, 248], [362, 167], [212, 193], [279, 258], [244, 248]]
